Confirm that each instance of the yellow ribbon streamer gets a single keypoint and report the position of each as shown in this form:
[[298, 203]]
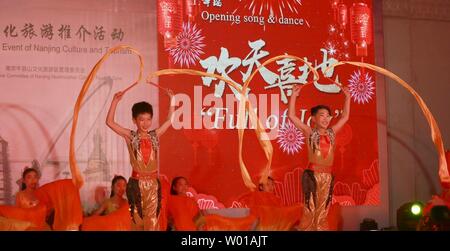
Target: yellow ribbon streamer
[[263, 139], [240, 116], [76, 174], [245, 106], [435, 132]]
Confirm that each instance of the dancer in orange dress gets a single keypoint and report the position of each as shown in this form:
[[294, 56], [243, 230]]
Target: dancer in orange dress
[[113, 214], [317, 180], [26, 214], [55, 205], [116, 200], [183, 210], [272, 214], [185, 214], [26, 197], [144, 186]]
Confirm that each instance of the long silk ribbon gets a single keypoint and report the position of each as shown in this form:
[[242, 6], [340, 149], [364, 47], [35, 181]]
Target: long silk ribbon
[[77, 178], [435, 131], [245, 106], [263, 139]]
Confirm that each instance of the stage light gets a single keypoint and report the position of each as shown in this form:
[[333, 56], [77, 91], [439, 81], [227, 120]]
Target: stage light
[[416, 209], [409, 215]]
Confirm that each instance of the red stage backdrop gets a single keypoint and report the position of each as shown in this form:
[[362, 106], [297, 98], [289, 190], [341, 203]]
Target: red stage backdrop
[[232, 39]]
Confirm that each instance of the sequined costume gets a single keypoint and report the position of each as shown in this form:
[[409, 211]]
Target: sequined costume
[[144, 186], [317, 181], [23, 201], [111, 206]]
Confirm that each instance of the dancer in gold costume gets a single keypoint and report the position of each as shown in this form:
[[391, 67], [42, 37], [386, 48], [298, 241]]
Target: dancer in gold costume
[[144, 186], [317, 180]]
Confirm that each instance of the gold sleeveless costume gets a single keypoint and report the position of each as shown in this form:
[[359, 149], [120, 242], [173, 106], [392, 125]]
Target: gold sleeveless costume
[[317, 181], [144, 187]]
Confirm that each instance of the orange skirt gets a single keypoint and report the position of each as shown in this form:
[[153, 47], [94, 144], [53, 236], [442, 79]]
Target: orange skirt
[[119, 220]]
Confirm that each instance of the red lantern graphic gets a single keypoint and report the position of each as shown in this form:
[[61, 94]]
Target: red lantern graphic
[[210, 139], [342, 16], [334, 3], [169, 20], [334, 6], [361, 27], [192, 8]]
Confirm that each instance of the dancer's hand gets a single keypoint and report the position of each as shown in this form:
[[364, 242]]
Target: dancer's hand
[[118, 96], [172, 100], [346, 91], [170, 93], [296, 90]]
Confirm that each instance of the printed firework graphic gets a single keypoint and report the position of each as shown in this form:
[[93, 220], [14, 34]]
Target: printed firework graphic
[[270, 7], [189, 46], [290, 138], [361, 87]]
